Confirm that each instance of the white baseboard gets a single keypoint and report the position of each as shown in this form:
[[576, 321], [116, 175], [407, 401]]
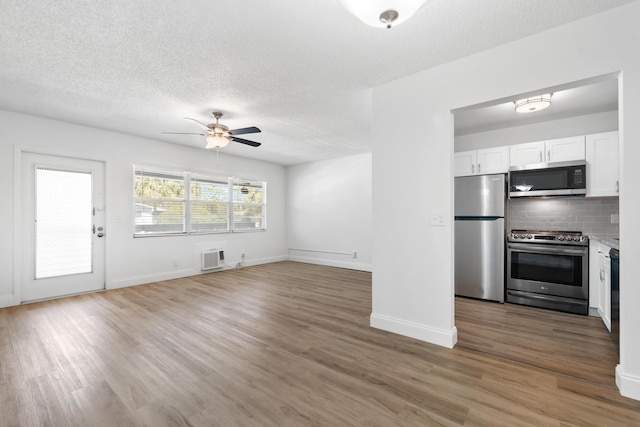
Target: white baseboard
[[177, 274], [628, 385], [267, 260], [332, 263], [150, 278], [9, 301], [414, 330]]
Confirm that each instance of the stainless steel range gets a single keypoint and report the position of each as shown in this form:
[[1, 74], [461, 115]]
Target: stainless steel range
[[548, 269]]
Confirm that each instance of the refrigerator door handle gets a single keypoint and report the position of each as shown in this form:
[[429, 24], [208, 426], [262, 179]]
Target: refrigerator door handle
[[478, 218]]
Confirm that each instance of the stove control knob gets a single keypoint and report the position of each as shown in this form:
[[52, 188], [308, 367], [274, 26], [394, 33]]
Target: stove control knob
[[529, 236], [561, 238], [577, 238], [516, 236]]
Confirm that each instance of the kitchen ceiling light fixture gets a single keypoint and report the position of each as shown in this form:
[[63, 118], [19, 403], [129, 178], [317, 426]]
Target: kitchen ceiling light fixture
[[383, 13], [533, 103]]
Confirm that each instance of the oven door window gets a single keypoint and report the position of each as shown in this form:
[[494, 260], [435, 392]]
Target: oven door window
[[549, 268]]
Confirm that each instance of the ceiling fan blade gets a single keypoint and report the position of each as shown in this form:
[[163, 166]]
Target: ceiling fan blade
[[246, 141], [241, 131], [183, 133], [199, 123]]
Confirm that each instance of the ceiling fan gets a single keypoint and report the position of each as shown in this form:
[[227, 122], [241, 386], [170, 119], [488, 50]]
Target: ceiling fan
[[218, 135]]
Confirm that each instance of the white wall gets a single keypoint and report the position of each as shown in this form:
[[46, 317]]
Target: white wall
[[329, 209], [553, 129], [413, 285], [131, 261]]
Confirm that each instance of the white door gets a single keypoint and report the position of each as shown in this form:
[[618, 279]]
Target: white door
[[63, 226]]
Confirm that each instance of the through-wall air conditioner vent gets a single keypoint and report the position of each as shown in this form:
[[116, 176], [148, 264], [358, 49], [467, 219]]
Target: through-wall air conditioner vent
[[212, 259]]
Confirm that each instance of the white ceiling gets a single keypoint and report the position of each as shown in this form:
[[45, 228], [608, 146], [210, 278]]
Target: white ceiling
[[302, 71]]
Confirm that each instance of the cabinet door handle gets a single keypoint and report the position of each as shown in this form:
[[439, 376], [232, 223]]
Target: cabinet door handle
[[548, 155], [478, 167], [617, 186], [473, 168], [540, 157]]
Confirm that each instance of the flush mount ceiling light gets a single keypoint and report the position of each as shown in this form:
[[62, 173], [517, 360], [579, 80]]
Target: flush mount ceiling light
[[533, 103], [383, 13]]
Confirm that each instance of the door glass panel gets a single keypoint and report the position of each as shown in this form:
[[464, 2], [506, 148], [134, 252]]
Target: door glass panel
[[63, 223]]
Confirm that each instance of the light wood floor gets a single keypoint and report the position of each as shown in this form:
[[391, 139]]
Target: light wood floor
[[288, 344]]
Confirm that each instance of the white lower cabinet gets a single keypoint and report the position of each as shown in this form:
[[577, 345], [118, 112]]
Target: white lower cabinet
[[600, 280]]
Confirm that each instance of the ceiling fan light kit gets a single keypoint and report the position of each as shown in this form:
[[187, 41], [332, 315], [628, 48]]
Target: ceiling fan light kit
[[383, 13], [216, 141], [533, 103]]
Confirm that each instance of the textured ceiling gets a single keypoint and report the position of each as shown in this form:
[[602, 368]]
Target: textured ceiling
[[302, 71]]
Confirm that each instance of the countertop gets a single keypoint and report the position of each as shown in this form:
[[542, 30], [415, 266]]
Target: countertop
[[610, 240]]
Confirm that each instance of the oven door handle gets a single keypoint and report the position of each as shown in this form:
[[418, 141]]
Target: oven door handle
[[546, 249]]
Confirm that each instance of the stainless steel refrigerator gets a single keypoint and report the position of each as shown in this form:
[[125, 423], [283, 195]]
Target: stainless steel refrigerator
[[479, 236]]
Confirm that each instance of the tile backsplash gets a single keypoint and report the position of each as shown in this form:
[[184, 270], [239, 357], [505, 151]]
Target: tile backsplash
[[591, 216]]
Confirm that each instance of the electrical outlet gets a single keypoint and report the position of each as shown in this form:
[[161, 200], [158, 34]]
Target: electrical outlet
[[176, 263], [438, 219]]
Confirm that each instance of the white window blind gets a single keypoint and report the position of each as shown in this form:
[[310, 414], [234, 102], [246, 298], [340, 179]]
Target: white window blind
[[63, 222], [177, 202]]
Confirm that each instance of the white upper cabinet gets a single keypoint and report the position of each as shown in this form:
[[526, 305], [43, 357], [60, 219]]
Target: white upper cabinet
[[602, 164], [565, 149], [464, 163], [555, 150], [493, 160], [527, 154], [481, 162]]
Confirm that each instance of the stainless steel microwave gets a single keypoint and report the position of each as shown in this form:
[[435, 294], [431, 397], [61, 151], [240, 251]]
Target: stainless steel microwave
[[548, 179]]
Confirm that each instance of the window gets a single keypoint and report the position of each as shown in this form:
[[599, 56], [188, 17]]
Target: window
[[172, 202], [209, 204], [249, 205]]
